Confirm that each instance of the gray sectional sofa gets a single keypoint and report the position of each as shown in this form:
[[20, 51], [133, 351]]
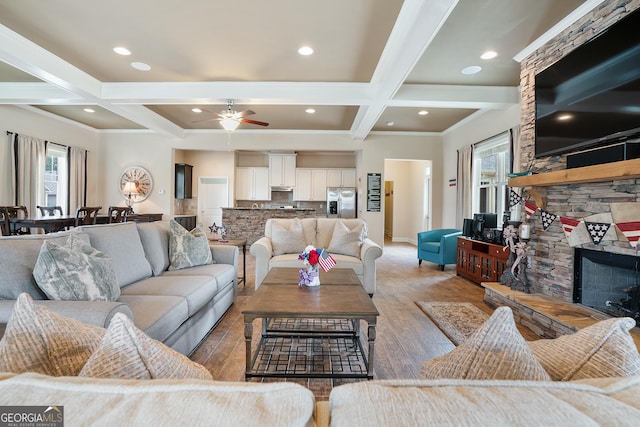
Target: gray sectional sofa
[[178, 308]]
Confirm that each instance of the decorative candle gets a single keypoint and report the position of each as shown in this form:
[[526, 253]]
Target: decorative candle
[[525, 230]]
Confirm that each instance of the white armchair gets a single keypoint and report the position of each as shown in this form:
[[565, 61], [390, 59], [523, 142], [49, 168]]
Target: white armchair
[[348, 244]]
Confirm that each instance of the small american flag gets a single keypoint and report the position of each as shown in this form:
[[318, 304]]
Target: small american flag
[[326, 261]]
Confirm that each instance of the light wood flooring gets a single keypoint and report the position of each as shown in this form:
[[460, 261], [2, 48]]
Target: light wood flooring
[[405, 335]]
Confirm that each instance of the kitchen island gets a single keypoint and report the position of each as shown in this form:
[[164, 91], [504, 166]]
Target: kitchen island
[[248, 223]]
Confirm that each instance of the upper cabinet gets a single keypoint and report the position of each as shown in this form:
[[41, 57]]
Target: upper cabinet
[[252, 184], [282, 170], [341, 177], [183, 189]]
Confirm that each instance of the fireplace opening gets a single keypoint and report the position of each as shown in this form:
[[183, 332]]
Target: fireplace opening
[[607, 282]]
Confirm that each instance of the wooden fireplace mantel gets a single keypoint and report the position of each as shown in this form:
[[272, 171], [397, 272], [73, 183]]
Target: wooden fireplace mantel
[[626, 169]]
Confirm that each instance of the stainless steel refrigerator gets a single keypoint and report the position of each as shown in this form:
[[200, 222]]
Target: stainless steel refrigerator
[[341, 202]]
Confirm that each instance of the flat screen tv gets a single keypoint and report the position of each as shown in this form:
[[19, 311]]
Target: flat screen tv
[[482, 221], [591, 97]]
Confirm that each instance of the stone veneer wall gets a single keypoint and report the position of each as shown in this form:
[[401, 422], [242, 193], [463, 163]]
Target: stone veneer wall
[[551, 270], [249, 223]]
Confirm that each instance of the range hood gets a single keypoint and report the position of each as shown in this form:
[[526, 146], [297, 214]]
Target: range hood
[[281, 188]]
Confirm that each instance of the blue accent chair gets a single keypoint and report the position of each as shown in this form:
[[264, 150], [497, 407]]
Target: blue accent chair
[[438, 246]]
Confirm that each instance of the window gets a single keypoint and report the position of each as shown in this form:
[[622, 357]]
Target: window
[[491, 167], [55, 176]]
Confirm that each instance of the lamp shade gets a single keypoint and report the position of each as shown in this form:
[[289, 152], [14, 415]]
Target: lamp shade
[[229, 124], [130, 188]]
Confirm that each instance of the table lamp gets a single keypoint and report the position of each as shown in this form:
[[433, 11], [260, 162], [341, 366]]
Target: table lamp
[[130, 188]]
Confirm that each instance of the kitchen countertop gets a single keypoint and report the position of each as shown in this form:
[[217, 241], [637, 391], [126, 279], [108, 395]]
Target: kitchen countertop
[[273, 209]]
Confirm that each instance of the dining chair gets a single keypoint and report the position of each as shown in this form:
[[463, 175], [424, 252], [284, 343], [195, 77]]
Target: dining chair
[[50, 210], [87, 215], [5, 224], [17, 212], [118, 213]]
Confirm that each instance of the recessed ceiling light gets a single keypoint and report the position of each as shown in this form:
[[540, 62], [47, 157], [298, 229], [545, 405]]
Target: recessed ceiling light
[[122, 50], [564, 117], [196, 110], [471, 69], [305, 50], [141, 66], [89, 110], [423, 112], [310, 110], [390, 123], [489, 55]]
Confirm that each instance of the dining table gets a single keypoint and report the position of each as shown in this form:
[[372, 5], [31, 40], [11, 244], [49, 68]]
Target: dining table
[[52, 224]]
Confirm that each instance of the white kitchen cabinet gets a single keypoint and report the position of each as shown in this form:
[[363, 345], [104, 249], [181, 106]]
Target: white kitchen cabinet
[[252, 184], [318, 185], [311, 185], [302, 190], [341, 177], [282, 170]]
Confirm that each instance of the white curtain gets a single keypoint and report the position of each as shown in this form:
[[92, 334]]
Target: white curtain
[[30, 155], [77, 178], [464, 185], [7, 172]]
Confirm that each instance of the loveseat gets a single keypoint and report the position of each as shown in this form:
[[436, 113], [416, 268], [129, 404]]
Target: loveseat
[[345, 239], [176, 307]]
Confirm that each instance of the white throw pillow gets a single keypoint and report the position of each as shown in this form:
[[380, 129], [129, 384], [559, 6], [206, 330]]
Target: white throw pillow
[[75, 272], [346, 241], [188, 248], [128, 353], [287, 237]]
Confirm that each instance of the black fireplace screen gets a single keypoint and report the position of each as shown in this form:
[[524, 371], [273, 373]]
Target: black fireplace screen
[[607, 282]]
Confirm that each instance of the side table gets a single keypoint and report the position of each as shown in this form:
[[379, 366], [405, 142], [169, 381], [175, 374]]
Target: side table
[[241, 243]]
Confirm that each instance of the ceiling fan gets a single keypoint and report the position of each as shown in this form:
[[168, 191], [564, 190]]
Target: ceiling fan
[[231, 119]]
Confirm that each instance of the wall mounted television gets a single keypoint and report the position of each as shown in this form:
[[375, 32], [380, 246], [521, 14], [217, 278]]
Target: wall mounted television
[[591, 97]]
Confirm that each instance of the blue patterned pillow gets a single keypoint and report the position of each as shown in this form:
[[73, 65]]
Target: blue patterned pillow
[[188, 249], [75, 272]]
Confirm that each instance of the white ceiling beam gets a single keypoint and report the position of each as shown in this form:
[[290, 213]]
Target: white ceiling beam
[[455, 96], [36, 93], [417, 24], [27, 56]]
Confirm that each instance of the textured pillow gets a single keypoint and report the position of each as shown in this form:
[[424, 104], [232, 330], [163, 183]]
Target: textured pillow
[[127, 353], [75, 272], [605, 349], [188, 248], [495, 351], [287, 237], [39, 340], [346, 241]]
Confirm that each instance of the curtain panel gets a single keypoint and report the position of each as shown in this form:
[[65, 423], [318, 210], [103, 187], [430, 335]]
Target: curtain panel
[[30, 156], [464, 185], [77, 178]]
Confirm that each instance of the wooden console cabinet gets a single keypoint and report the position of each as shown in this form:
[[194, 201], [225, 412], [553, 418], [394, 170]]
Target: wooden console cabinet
[[480, 261]]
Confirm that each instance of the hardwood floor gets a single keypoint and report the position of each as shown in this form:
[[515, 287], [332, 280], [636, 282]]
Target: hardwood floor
[[405, 335]]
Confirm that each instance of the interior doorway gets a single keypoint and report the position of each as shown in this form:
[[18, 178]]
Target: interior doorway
[[388, 210], [213, 195]]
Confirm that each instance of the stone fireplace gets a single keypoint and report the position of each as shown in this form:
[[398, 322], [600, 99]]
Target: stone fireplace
[[608, 282], [552, 258]]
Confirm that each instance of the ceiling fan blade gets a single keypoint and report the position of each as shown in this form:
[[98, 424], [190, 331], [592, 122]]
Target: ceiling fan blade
[[245, 113], [254, 122]]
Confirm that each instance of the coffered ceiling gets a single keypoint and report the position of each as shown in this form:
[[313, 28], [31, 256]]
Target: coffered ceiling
[[374, 61]]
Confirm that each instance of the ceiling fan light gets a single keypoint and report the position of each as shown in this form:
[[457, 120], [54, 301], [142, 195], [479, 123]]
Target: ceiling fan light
[[229, 124]]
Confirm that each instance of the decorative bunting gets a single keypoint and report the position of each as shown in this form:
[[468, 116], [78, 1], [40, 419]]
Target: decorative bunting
[[547, 218], [514, 198], [568, 224], [530, 208], [597, 230], [631, 231]]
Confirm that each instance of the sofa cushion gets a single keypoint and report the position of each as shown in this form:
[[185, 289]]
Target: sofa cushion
[[155, 241], [187, 248], [75, 272], [121, 242], [346, 240], [287, 236], [221, 273], [495, 351], [126, 352], [196, 290], [604, 349], [157, 315], [18, 255], [163, 402], [39, 340]]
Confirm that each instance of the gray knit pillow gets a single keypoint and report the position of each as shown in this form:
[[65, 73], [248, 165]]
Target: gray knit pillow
[[496, 351], [75, 272], [126, 352], [188, 248], [604, 349]]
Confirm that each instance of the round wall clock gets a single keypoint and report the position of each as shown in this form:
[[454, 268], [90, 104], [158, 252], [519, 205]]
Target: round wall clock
[[141, 180]]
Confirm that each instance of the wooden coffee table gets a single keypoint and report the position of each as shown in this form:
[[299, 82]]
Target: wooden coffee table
[[318, 326]]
